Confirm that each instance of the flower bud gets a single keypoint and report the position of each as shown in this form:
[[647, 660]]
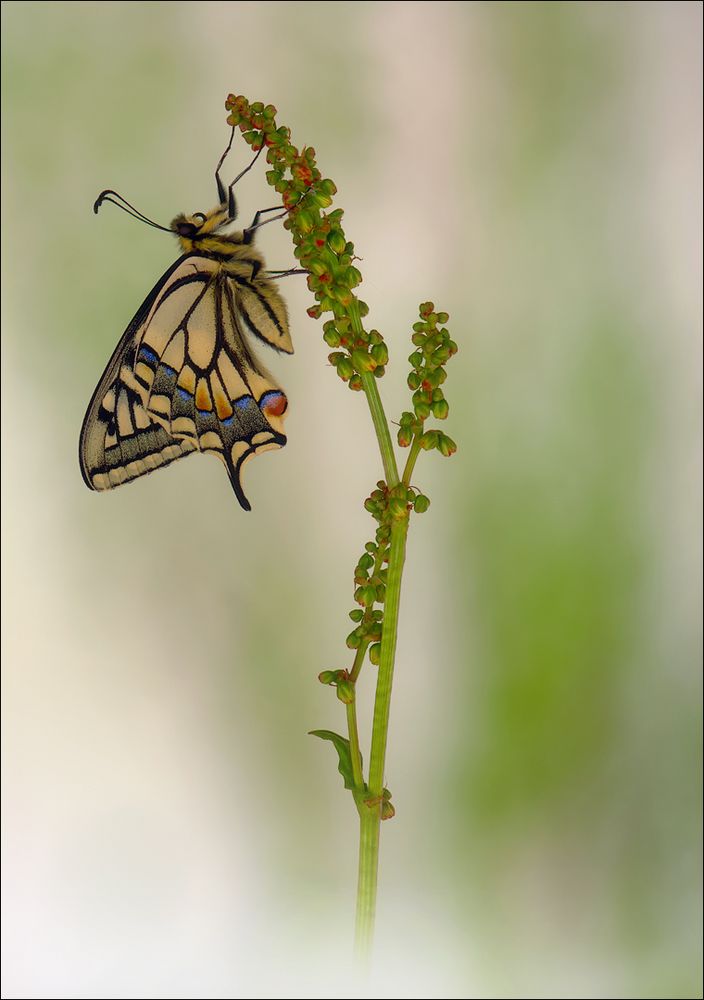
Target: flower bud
[[387, 810], [380, 353], [446, 445], [429, 440], [345, 368], [345, 692], [366, 595], [375, 654], [366, 561], [373, 630], [356, 614], [320, 198], [362, 361], [440, 408], [353, 277], [332, 337], [353, 640], [421, 504], [336, 241]]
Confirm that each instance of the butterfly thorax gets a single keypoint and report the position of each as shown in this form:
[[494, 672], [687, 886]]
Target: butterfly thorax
[[201, 233]]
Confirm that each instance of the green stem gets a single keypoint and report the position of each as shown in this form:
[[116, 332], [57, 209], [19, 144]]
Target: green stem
[[370, 814], [382, 702], [369, 826], [358, 661], [381, 427], [354, 744], [410, 464]]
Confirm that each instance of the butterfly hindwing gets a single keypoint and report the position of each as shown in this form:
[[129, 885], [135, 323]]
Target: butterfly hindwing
[[263, 311], [183, 378]]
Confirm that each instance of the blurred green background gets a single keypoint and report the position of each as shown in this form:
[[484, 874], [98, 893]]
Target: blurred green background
[[169, 828]]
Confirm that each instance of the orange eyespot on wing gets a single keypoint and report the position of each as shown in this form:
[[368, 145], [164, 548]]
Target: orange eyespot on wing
[[274, 403]]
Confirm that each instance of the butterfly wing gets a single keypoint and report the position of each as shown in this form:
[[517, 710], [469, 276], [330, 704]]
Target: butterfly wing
[[262, 311], [182, 379], [119, 439]]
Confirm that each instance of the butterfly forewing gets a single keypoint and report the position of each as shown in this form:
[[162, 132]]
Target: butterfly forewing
[[184, 378]]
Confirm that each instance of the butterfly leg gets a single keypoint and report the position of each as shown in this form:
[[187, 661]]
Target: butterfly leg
[[275, 275], [256, 224], [218, 178], [231, 203], [229, 195]]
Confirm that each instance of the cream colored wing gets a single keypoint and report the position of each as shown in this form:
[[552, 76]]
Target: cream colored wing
[[182, 379]]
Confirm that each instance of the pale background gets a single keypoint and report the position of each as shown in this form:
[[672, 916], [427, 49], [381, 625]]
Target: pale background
[[170, 829]]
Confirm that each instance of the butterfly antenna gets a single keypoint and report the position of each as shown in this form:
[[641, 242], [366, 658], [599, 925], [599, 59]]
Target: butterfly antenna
[[126, 207]]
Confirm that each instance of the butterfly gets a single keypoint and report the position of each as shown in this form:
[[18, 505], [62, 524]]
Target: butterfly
[[184, 376]]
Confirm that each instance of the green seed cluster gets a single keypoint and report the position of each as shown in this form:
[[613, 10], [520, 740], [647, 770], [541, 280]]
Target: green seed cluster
[[433, 349], [341, 680], [320, 243], [370, 588], [387, 505], [370, 576]]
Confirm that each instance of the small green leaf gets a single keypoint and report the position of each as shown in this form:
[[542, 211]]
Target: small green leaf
[[343, 752]]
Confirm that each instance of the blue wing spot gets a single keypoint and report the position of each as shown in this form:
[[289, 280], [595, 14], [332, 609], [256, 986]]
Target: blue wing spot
[[184, 394], [243, 402], [170, 372], [148, 354], [227, 421]]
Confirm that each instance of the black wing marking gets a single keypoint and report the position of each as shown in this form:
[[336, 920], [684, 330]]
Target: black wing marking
[[262, 310]]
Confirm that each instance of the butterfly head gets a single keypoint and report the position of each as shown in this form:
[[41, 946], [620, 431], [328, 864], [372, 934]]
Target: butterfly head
[[191, 229]]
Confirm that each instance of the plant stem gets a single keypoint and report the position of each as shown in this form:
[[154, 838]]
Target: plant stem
[[358, 661], [369, 826], [354, 745], [382, 702], [410, 464], [370, 814], [382, 429]]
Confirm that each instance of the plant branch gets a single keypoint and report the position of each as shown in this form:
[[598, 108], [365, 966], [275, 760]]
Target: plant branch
[[382, 702], [354, 744]]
